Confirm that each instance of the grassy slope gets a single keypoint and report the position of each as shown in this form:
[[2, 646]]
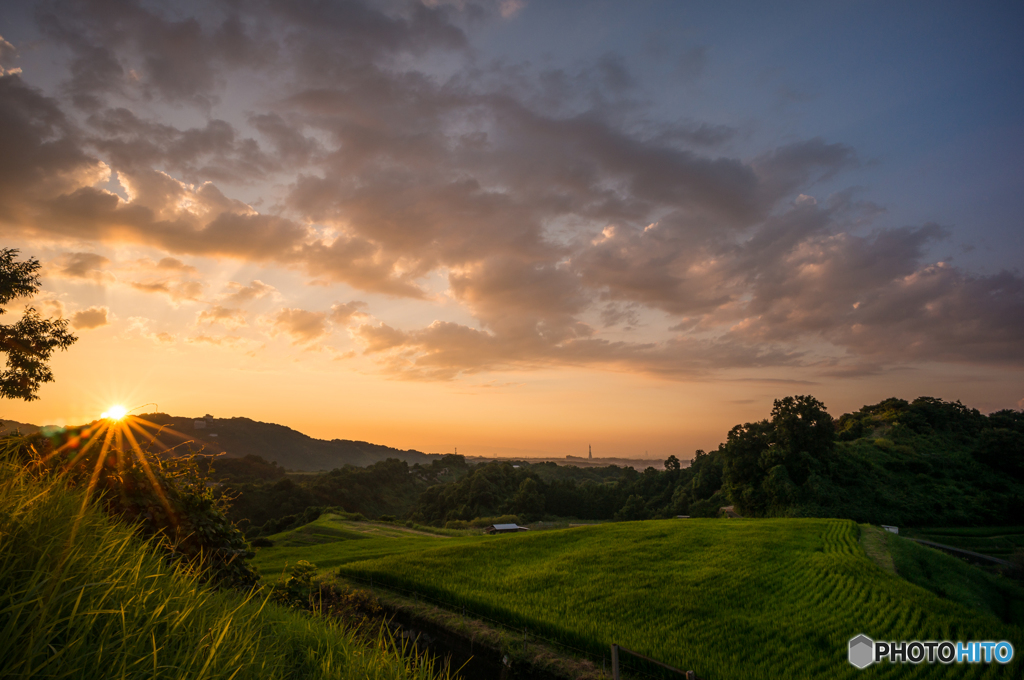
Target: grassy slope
[[331, 541], [81, 597], [995, 541], [737, 599], [956, 580]]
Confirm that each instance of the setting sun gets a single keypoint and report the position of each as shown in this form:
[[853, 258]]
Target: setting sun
[[115, 413]]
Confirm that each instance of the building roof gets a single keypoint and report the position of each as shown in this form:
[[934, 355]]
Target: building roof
[[507, 527]]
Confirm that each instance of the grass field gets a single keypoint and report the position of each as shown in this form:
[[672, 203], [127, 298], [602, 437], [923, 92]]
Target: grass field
[[331, 541], [730, 599], [994, 541]]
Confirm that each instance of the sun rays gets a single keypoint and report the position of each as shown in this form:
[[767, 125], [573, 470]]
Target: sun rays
[[111, 447]]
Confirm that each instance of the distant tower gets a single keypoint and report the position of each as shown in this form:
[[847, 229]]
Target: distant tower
[[590, 452]]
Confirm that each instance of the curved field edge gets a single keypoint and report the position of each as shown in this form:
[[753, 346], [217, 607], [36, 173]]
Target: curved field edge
[[729, 599], [331, 540], [83, 597]]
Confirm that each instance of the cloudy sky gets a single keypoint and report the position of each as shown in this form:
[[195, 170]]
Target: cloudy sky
[[518, 225]]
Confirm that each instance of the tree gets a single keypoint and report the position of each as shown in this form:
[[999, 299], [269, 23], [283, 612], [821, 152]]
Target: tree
[[30, 342]]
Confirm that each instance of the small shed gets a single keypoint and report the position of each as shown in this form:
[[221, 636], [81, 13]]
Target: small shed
[[504, 528], [891, 529], [728, 511]]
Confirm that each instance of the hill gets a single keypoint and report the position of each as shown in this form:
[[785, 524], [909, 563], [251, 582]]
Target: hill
[[290, 449], [9, 426], [741, 599]]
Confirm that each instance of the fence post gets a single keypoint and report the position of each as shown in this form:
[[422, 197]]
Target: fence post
[[615, 662]]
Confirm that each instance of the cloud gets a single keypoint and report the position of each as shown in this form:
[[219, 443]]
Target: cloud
[[178, 291], [88, 266], [510, 8], [342, 314], [93, 317], [303, 326], [554, 204], [256, 290], [226, 316], [8, 54]]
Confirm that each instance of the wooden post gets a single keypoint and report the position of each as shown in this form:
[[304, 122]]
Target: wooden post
[[615, 662]]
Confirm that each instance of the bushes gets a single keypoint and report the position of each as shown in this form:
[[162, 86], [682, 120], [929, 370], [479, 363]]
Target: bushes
[[164, 499]]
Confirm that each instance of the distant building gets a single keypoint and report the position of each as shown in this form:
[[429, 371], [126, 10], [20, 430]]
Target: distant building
[[590, 452], [504, 528], [199, 424], [728, 511], [891, 529]]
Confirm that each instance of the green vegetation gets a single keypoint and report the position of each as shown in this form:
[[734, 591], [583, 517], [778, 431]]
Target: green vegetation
[[332, 541], [911, 464], [998, 541], [165, 499], [30, 342], [81, 595], [730, 599], [954, 579]]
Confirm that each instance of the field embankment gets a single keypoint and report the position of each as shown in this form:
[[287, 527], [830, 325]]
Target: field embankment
[[737, 599]]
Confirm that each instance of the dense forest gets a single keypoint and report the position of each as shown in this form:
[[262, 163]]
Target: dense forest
[[922, 463]]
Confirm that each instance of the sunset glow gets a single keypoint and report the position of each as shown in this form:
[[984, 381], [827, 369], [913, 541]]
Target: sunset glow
[[515, 228]]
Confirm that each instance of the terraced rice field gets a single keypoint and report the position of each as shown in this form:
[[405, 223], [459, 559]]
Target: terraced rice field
[[332, 541], [732, 599]]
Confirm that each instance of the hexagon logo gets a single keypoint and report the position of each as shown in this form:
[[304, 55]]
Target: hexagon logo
[[862, 651]]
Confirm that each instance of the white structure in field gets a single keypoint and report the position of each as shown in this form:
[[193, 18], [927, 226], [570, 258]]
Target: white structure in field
[[891, 529]]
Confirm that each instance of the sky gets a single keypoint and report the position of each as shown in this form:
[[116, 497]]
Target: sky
[[517, 227]]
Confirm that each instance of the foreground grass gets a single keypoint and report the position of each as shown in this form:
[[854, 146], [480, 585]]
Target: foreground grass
[[82, 597], [730, 599], [332, 541]]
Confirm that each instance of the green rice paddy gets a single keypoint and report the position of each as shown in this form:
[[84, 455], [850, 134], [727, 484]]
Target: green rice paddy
[[730, 599]]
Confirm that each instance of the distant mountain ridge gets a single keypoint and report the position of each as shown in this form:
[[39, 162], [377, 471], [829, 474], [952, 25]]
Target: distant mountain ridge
[[7, 426], [291, 449]]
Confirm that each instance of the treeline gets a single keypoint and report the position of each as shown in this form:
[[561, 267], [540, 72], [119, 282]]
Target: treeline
[[922, 463], [390, 487]]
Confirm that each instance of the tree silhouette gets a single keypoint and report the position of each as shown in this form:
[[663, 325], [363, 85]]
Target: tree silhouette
[[30, 342]]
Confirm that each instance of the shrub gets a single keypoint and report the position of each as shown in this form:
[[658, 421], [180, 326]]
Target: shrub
[[481, 522], [165, 499]]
